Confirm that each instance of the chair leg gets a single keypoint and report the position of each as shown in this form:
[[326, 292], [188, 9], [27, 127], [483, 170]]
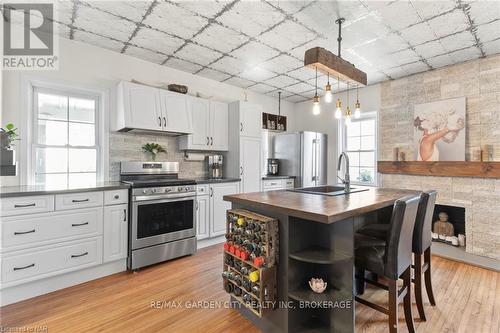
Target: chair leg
[[407, 300], [359, 280], [428, 280], [393, 306], [418, 286]]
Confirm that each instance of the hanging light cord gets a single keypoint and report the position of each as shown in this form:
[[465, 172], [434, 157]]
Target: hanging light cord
[[316, 94]]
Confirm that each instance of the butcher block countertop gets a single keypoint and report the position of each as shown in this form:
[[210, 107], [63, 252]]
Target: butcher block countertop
[[321, 208]]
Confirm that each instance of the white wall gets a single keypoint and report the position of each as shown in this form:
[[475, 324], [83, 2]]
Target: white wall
[[83, 64], [325, 122]]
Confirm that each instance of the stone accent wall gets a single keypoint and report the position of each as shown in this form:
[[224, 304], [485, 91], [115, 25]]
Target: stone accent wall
[[127, 147], [479, 82]]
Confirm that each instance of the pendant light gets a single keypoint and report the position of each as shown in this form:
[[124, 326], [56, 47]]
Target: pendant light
[[338, 109], [357, 110], [348, 113], [316, 108], [328, 91]]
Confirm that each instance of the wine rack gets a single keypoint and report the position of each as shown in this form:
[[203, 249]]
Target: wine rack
[[250, 256]]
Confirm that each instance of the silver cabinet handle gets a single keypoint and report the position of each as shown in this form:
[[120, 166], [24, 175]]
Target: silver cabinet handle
[[116, 196], [274, 183], [164, 122], [24, 267], [159, 121], [211, 140], [208, 140], [241, 170], [197, 205], [77, 200], [211, 192], [79, 224], [124, 215], [28, 205], [241, 127], [79, 255], [24, 232]]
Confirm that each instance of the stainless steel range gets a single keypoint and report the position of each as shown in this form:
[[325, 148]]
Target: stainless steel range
[[163, 212]]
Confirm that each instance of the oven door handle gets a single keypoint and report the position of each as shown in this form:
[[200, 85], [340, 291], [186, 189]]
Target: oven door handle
[[171, 197]]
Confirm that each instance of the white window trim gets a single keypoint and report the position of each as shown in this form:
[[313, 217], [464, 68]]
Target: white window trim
[[342, 143], [28, 84]]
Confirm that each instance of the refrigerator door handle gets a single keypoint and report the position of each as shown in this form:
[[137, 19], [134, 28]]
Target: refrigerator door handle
[[314, 161]]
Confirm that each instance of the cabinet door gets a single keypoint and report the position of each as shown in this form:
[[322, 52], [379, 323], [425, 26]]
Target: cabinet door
[[175, 113], [201, 123], [250, 164], [142, 106], [202, 216], [115, 232], [219, 123], [218, 206], [250, 120]]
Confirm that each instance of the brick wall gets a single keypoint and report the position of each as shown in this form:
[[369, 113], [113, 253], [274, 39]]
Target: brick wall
[[127, 147], [479, 82]]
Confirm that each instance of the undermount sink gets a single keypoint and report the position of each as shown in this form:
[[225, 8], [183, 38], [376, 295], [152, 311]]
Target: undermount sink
[[328, 190]]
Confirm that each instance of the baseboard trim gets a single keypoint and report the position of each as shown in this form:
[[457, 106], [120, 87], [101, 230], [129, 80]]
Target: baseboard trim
[[210, 241], [36, 288]]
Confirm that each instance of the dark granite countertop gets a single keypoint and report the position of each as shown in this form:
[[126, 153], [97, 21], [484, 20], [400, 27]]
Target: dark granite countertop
[[321, 208], [277, 177], [23, 190], [216, 181]]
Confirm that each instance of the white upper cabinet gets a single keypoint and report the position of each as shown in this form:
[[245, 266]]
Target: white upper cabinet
[[210, 126], [250, 164], [250, 119], [219, 125], [148, 108], [176, 117], [138, 107]]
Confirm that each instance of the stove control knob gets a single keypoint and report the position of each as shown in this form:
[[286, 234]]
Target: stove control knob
[[153, 190], [187, 188], [144, 191], [179, 189], [168, 189]]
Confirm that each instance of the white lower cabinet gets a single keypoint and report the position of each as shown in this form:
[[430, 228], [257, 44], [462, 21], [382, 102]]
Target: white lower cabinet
[[211, 209], [278, 184], [75, 231], [202, 216], [115, 232]]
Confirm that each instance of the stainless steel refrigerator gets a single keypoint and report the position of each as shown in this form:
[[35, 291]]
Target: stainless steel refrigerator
[[303, 155]]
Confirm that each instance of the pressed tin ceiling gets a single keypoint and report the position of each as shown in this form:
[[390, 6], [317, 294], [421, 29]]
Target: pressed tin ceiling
[[260, 45]]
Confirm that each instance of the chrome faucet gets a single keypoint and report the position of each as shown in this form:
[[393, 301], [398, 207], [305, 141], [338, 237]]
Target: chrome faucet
[[346, 181]]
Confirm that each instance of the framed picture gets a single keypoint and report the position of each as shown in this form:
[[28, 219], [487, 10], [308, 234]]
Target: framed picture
[[439, 130]]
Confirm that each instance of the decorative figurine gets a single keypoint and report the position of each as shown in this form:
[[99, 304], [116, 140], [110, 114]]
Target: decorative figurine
[[443, 227], [317, 285]]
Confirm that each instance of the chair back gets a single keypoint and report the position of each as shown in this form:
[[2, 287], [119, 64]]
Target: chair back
[[422, 237], [399, 242]]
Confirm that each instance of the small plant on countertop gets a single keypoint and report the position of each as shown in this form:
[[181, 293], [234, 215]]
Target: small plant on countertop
[[8, 135], [153, 149]]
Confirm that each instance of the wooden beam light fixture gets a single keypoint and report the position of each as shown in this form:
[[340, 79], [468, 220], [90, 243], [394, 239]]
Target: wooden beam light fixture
[[333, 65]]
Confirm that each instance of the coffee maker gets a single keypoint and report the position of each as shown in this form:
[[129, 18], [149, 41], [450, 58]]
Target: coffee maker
[[214, 165], [273, 166]]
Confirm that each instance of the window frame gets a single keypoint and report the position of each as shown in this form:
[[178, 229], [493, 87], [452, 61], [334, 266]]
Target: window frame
[[343, 144]]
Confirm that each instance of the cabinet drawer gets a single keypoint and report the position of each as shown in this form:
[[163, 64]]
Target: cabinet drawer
[[26, 205], [289, 183], [28, 231], [78, 200], [116, 197], [273, 184], [23, 266], [202, 189]]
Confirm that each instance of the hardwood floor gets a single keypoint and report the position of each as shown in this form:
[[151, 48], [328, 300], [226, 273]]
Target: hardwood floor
[[468, 300]]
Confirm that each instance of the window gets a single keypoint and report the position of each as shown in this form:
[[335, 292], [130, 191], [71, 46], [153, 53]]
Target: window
[[65, 143], [360, 144]]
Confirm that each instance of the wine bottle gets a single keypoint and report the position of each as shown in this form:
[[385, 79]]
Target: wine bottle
[[253, 276], [237, 291]]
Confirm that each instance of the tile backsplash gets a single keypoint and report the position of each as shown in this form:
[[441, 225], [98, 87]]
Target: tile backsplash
[[128, 147]]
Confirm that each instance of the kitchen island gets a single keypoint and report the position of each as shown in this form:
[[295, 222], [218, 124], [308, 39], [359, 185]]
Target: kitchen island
[[316, 240]]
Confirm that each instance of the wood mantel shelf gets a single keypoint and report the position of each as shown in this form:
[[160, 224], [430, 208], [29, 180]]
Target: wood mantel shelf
[[445, 169]]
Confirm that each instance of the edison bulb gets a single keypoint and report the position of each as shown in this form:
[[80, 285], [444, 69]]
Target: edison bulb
[[328, 95], [316, 108], [357, 110], [348, 120], [338, 110]]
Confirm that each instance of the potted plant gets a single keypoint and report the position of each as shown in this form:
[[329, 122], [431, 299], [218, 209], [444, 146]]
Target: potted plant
[[7, 137], [153, 149]]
